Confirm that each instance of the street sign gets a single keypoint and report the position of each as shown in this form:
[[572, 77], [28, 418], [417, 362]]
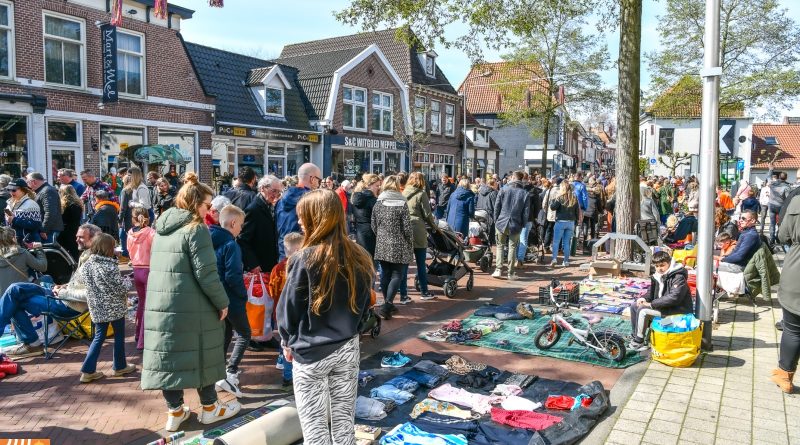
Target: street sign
[[740, 164], [653, 161]]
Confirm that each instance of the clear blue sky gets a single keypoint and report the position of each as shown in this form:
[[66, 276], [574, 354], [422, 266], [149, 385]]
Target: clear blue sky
[[261, 28]]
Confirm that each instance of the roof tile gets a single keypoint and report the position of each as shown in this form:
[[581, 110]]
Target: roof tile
[[685, 99], [498, 87]]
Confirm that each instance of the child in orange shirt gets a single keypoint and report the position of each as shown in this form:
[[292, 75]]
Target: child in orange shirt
[[292, 242]]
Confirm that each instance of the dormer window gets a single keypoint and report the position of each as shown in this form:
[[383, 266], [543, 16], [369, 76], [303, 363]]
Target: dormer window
[[269, 86], [273, 103], [428, 60], [481, 136]]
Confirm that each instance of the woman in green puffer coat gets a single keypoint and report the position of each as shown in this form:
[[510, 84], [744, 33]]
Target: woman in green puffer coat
[[184, 309], [421, 216]]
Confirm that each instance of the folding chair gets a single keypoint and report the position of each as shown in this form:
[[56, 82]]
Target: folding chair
[[68, 326]]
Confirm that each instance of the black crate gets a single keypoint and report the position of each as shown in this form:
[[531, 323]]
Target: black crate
[[569, 292]]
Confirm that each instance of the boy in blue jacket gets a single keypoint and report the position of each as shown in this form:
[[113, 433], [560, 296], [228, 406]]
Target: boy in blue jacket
[[231, 273]]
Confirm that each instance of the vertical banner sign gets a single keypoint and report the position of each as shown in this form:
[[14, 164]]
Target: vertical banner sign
[[109, 39]]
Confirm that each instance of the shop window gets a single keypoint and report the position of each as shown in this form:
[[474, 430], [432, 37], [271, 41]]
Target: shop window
[[130, 63], [382, 113], [13, 145], [419, 113], [276, 159], [449, 119], [6, 40], [296, 155], [354, 110], [181, 145], [273, 101], [63, 149], [250, 156], [351, 163], [392, 162], [666, 139], [115, 146], [436, 117], [63, 51]]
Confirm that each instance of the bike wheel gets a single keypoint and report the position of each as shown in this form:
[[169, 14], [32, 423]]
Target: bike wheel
[[547, 337], [613, 347]]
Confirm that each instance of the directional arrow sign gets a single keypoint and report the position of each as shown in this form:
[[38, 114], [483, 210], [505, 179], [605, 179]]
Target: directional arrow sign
[[726, 139]]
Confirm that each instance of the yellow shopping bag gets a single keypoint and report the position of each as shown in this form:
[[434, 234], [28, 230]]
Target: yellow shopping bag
[[676, 349], [86, 323]]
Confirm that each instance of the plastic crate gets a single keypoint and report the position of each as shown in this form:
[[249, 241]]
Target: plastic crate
[[566, 292]]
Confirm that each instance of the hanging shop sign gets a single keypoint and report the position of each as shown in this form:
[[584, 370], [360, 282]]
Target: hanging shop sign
[[368, 143], [109, 39], [260, 133]]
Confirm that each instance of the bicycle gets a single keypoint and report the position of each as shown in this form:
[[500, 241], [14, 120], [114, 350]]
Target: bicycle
[[607, 344]]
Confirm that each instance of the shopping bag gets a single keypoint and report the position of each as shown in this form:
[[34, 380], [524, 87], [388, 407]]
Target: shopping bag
[[675, 341], [256, 301], [86, 323], [267, 325]]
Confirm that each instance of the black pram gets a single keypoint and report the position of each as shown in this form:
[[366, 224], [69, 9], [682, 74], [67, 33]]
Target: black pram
[[448, 264]]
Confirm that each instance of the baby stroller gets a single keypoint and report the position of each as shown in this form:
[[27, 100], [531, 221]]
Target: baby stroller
[[60, 265], [448, 264], [480, 244], [535, 252]]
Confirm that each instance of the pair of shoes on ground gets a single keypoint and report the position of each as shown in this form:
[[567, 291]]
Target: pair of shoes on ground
[[230, 384], [638, 346], [783, 379], [89, 377], [555, 263], [395, 360], [499, 273], [208, 414], [386, 312], [405, 299]]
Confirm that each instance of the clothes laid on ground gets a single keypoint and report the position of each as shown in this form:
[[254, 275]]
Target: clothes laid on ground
[[612, 294], [514, 403], [567, 402], [477, 432], [364, 377], [439, 407], [390, 392], [427, 380], [505, 311], [369, 409], [403, 383], [408, 434], [521, 380], [458, 365], [477, 402], [485, 379], [436, 357], [524, 419], [507, 390], [432, 368]]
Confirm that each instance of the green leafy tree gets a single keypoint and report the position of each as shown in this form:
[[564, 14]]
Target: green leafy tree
[[759, 52], [672, 160], [644, 166], [554, 54]]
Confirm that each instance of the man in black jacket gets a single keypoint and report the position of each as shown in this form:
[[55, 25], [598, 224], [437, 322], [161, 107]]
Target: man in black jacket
[[669, 295], [511, 210], [259, 237], [446, 188], [535, 205], [50, 203], [245, 193]]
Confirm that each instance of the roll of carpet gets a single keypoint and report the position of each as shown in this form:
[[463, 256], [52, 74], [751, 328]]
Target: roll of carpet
[[280, 427]]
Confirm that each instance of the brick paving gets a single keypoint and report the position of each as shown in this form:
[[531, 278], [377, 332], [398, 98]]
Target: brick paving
[[725, 398]]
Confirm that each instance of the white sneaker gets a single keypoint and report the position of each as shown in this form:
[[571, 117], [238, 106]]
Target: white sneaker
[[218, 411], [175, 418], [512, 277], [497, 273], [230, 384]]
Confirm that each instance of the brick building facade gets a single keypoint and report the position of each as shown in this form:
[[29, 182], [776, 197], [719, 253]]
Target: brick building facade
[[51, 88]]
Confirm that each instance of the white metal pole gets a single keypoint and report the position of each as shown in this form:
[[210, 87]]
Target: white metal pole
[[709, 146], [464, 154]]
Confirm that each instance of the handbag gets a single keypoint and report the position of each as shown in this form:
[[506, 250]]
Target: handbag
[[257, 296]]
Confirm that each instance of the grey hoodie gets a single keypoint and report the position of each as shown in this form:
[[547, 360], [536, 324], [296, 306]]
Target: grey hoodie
[[14, 266]]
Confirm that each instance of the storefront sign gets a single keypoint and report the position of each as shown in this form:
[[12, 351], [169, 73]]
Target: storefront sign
[[109, 39], [368, 143], [260, 133]]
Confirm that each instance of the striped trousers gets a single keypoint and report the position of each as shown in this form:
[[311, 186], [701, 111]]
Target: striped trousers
[[325, 392]]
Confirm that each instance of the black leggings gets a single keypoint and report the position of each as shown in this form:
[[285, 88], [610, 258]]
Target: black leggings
[[392, 275], [174, 397], [790, 342]]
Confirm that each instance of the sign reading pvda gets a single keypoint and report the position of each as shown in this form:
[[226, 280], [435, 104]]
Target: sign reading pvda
[[109, 39]]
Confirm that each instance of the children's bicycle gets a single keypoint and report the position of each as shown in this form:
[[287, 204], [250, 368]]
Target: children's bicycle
[[606, 344]]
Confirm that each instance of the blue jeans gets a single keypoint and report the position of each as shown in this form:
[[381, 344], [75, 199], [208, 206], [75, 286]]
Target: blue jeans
[[403, 383], [523, 241], [123, 241], [52, 236], [424, 379], [100, 329], [22, 299], [389, 392], [422, 269], [562, 235]]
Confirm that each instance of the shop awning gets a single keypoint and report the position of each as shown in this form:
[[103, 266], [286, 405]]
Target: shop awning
[[481, 163]]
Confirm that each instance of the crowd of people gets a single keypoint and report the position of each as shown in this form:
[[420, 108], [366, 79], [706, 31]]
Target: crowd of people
[[190, 249]]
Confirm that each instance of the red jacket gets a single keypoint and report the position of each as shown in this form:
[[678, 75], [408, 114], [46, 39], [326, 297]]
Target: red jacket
[[342, 197]]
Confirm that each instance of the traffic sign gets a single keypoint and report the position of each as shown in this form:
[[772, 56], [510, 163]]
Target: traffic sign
[[653, 161]]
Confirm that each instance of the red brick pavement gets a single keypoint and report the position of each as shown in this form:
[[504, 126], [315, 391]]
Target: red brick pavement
[[47, 401]]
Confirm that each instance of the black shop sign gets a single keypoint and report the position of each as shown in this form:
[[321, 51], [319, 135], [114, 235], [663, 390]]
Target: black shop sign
[[109, 39], [260, 133]]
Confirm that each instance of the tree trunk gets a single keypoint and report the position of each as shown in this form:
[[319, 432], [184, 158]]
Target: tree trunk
[[628, 94], [546, 129]]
